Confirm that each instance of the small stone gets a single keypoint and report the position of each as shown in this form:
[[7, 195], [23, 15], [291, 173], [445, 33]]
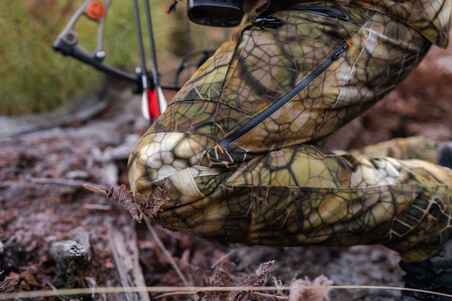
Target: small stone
[[69, 250], [72, 257]]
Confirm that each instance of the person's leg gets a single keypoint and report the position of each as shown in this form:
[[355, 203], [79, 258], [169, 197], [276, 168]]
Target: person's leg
[[300, 196], [350, 200], [247, 75], [418, 148], [435, 273], [295, 195]]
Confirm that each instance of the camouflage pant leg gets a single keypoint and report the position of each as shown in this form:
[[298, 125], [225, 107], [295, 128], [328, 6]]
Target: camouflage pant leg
[[298, 196], [418, 148], [435, 273], [284, 192]]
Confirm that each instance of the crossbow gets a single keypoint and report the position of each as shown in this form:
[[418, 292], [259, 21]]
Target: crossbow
[[145, 80]]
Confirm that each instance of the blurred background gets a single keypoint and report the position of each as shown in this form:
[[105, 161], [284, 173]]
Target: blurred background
[[63, 125], [35, 79]]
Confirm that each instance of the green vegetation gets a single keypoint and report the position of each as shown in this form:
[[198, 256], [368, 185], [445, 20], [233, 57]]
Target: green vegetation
[[35, 79]]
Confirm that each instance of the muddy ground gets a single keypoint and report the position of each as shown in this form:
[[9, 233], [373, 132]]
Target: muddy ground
[[42, 202]]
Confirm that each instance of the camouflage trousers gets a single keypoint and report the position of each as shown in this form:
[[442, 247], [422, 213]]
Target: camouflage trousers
[[275, 186]]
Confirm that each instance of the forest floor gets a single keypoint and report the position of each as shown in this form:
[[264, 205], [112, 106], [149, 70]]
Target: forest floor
[[43, 203]]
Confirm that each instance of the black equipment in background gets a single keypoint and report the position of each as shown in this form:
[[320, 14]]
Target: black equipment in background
[[221, 13]]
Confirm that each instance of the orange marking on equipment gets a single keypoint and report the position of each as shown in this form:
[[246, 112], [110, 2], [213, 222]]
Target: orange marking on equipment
[[95, 10]]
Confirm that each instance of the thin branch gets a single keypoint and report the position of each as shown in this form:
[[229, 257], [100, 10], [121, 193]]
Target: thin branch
[[186, 294], [195, 290], [173, 295], [222, 258], [33, 182], [170, 258], [58, 182], [271, 296]]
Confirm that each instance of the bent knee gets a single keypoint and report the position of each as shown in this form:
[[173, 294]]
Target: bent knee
[[159, 156], [165, 176]]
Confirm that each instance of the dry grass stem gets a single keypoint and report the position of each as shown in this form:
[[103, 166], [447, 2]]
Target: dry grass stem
[[194, 290], [171, 259]]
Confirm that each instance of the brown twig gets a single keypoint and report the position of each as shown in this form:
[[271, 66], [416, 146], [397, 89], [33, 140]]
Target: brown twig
[[170, 258], [122, 196], [58, 182], [271, 296], [119, 195], [33, 182]]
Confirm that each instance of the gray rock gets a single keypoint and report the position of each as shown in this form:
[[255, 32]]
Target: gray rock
[[76, 249], [72, 258]]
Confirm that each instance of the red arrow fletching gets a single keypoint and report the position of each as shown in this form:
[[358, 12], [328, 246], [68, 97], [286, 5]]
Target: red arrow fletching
[[153, 104]]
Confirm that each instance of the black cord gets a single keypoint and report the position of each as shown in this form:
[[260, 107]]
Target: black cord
[[155, 69]]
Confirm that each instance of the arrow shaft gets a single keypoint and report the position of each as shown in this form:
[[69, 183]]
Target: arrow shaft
[[140, 42], [148, 16]]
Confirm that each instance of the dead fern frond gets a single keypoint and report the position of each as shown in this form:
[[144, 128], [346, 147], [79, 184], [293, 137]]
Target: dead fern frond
[[306, 290]]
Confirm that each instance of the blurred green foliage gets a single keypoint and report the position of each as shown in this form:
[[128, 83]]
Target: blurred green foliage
[[33, 78]]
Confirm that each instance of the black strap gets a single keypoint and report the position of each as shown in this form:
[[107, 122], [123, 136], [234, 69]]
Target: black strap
[[279, 103]]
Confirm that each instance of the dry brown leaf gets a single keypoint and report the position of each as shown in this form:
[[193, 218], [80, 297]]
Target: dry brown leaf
[[307, 290]]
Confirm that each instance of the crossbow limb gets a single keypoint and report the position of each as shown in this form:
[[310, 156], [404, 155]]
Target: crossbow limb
[[144, 81], [67, 44]]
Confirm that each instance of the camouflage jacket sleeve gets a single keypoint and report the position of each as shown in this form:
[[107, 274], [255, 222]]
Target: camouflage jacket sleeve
[[432, 18]]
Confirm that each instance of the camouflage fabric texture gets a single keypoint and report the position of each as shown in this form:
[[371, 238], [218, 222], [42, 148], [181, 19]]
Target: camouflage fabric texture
[[275, 185], [432, 18]]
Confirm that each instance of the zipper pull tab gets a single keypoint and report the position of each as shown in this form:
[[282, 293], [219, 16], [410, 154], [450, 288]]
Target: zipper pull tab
[[268, 22]]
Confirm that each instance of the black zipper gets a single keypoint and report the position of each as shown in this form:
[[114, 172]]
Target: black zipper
[[280, 102]]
